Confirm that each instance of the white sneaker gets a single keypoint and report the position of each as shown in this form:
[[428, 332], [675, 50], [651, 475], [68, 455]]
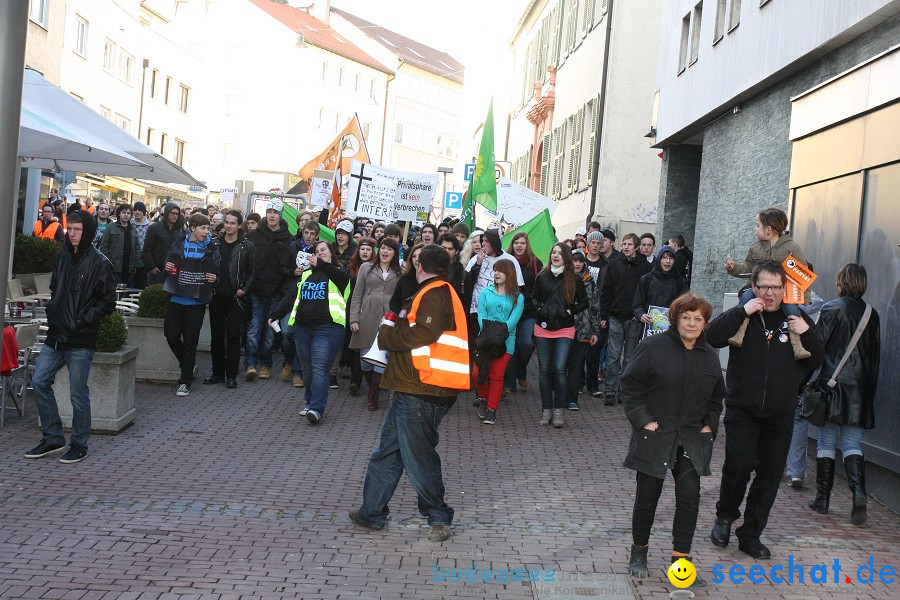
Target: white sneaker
[[313, 417], [304, 411], [183, 390]]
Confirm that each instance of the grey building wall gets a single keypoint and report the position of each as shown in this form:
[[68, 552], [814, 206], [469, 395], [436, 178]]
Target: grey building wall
[[679, 184], [746, 163]]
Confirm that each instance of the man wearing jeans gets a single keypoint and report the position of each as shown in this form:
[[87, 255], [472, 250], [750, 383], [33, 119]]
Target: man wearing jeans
[[427, 367], [83, 293], [270, 243], [616, 314]]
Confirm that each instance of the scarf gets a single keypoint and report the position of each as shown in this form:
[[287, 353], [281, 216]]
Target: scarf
[[557, 271], [523, 259]]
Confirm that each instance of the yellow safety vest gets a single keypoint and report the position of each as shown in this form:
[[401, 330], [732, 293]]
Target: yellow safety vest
[[337, 301]]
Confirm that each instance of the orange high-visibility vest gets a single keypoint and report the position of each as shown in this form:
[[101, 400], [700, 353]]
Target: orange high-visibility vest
[[90, 209], [49, 232], [445, 363]]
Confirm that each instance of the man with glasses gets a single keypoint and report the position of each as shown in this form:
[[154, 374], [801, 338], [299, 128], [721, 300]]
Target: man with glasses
[[762, 380]]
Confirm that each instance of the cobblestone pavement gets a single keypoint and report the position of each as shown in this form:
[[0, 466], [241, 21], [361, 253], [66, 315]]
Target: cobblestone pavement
[[230, 494]]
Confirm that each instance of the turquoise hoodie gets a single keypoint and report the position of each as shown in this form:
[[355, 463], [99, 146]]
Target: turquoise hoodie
[[496, 307]]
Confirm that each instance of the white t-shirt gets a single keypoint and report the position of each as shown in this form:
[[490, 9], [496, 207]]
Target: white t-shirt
[[486, 275]]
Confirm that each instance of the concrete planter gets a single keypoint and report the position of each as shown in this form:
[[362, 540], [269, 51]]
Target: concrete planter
[[111, 385], [155, 361]]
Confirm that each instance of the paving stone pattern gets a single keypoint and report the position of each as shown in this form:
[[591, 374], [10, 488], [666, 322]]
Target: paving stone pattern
[[230, 494]]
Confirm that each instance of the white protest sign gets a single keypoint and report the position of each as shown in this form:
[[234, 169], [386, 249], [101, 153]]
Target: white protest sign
[[320, 190], [373, 192], [517, 204], [414, 196]]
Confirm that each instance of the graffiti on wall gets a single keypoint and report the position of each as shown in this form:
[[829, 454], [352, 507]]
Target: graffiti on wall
[[643, 213]]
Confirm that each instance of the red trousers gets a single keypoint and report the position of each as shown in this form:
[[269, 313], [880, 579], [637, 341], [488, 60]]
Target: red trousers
[[493, 386]]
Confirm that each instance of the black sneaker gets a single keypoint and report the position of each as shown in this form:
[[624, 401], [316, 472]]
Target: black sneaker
[[482, 409], [313, 417], [573, 406], [75, 454], [334, 383], [490, 418], [43, 449]]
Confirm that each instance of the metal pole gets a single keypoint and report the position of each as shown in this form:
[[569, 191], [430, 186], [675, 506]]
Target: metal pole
[[13, 28]]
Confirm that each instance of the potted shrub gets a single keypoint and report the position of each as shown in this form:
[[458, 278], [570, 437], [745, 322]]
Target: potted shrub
[[33, 255], [111, 381], [145, 330]]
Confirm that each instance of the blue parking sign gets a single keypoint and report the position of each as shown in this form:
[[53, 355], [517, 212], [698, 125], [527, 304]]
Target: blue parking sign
[[469, 171], [453, 200]]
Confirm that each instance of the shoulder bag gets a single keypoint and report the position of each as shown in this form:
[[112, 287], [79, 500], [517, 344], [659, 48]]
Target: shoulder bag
[[814, 405]]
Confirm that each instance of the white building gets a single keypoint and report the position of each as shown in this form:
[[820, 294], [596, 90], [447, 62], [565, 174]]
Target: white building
[[279, 85], [424, 101], [578, 112]]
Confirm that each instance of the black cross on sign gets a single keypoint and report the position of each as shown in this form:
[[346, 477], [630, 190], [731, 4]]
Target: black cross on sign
[[361, 177]]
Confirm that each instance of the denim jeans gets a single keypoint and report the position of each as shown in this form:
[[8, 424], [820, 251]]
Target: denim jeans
[[830, 434], [518, 364], [259, 334], [316, 348], [623, 340], [796, 462], [409, 439], [687, 504], [288, 343], [50, 361], [553, 359]]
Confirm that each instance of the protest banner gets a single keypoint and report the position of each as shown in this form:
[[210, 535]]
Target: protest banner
[[373, 192], [799, 278], [659, 321], [320, 190], [516, 204]]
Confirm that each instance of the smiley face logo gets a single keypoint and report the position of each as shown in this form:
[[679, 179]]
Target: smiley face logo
[[682, 573]]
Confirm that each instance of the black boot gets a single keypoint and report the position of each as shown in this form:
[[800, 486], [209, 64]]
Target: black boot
[[824, 482], [721, 532], [374, 388], [637, 564], [855, 466], [698, 581]]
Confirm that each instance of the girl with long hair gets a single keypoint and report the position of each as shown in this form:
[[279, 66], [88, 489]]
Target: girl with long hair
[[558, 296], [501, 302], [408, 283], [375, 285], [516, 372], [365, 254]]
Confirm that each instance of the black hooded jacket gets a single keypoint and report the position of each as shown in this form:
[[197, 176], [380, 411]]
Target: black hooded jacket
[[658, 288], [270, 248], [83, 292], [160, 238]]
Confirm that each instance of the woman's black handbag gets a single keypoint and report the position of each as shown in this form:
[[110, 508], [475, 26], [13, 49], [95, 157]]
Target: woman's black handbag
[[814, 404]]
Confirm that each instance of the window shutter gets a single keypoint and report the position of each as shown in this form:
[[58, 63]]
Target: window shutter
[[545, 166], [526, 170], [588, 21], [555, 34], [576, 161], [559, 146], [590, 165], [545, 48], [603, 4], [573, 25]]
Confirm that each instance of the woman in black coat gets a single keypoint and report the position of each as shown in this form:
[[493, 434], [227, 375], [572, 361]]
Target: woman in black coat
[[672, 391], [520, 249], [851, 401]]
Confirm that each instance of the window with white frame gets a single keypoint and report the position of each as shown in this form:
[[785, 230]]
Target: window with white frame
[[149, 135], [179, 152], [123, 122], [183, 99], [366, 126], [105, 113], [168, 90], [81, 36], [163, 143], [398, 133], [126, 67], [734, 17], [109, 56], [39, 12], [719, 28], [154, 83]]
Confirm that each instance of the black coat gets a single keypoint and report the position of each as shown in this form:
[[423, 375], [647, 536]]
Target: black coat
[[851, 401], [619, 285], [530, 273], [549, 302], [240, 267], [680, 389], [658, 288], [160, 238], [270, 248], [82, 292], [684, 262], [762, 375]]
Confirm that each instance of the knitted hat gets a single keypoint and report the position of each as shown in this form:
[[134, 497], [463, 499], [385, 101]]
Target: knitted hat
[[140, 206], [578, 254], [594, 236], [275, 204], [664, 249]]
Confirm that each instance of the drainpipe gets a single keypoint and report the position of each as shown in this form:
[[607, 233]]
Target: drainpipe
[[141, 107], [601, 111]]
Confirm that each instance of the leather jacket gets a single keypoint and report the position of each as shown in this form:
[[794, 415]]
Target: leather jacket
[[240, 268]]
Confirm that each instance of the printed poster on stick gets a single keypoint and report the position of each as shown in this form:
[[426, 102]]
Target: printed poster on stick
[[799, 278], [374, 192], [320, 189], [659, 321]]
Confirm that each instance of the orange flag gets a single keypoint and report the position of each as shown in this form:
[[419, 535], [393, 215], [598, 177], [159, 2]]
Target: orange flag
[[349, 145]]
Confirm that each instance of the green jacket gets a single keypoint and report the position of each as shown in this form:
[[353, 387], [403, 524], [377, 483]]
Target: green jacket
[[112, 245]]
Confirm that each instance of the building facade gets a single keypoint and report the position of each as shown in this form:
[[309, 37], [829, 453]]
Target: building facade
[[808, 126], [584, 71]]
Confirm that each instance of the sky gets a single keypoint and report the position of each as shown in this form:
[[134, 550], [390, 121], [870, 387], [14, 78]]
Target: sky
[[474, 32]]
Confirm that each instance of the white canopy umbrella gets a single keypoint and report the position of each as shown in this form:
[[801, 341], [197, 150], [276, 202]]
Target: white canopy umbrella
[[48, 109]]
